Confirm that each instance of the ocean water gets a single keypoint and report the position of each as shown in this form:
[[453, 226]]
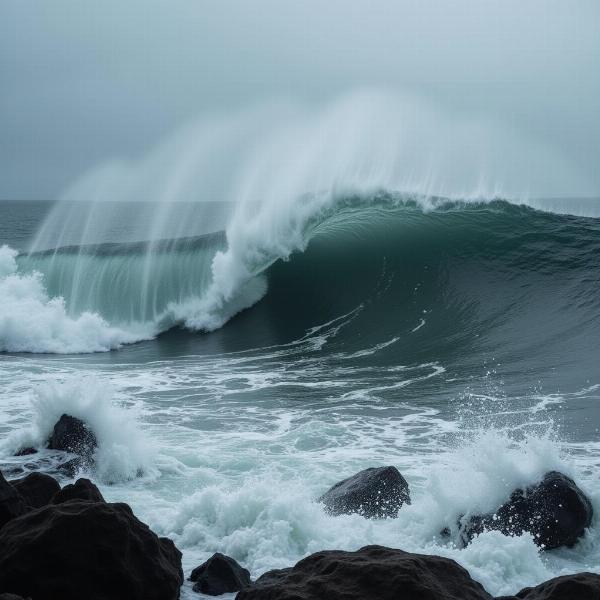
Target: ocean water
[[236, 362]]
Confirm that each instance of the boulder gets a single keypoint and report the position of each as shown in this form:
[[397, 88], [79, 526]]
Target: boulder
[[25, 452], [371, 573], [220, 574], [82, 490], [11, 502], [555, 511], [374, 493], [87, 550], [582, 586], [75, 436], [37, 489]]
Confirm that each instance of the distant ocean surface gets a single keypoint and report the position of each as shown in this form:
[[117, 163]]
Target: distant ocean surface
[[234, 374]]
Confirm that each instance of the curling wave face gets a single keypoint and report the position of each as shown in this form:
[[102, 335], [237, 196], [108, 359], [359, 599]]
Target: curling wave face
[[414, 274]]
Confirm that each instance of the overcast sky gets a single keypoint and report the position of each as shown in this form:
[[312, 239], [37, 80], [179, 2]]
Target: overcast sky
[[82, 81]]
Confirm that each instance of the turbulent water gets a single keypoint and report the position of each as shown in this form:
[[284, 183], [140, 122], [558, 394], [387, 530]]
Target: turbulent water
[[256, 366]]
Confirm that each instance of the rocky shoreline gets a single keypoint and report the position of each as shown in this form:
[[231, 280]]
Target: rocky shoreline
[[69, 543]]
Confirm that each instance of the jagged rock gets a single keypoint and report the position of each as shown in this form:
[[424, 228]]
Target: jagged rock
[[37, 489], [582, 586], [83, 490], [555, 511], [12, 504], [220, 574], [87, 550], [373, 493], [371, 573], [73, 435]]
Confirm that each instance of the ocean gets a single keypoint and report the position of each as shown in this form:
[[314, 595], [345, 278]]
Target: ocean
[[235, 362]]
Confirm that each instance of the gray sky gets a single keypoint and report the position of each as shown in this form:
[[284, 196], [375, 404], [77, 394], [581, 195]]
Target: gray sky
[[83, 81]]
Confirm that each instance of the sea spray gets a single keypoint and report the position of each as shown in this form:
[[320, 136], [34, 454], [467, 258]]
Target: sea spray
[[123, 453]]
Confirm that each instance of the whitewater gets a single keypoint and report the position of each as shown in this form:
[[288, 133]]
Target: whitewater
[[270, 301]]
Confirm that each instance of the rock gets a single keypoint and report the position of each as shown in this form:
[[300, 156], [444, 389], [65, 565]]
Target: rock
[[83, 490], [10, 597], [25, 452], [555, 511], [75, 436], [37, 489], [12, 504], [87, 550], [373, 493], [582, 586], [371, 573], [220, 574]]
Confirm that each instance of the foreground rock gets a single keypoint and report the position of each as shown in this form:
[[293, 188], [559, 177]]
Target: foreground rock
[[75, 436], [12, 504], [582, 586], [555, 511], [82, 490], [87, 550], [37, 489], [220, 574], [371, 573], [374, 493]]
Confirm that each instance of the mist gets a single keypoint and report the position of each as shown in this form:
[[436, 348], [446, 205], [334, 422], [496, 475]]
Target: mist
[[83, 83]]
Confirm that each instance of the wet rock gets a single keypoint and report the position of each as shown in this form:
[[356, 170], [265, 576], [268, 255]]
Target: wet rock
[[82, 490], [582, 586], [555, 511], [73, 435], [12, 504], [25, 452], [220, 574], [374, 493], [37, 489], [371, 573], [87, 550]]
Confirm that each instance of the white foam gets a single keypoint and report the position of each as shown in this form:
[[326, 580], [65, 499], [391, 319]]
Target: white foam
[[123, 451], [31, 321]]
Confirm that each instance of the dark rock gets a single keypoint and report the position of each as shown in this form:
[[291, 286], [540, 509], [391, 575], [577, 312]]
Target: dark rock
[[36, 489], [373, 493], [372, 573], [75, 436], [87, 550], [220, 574], [10, 597], [72, 467], [12, 504], [83, 490], [555, 511], [25, 452], [582, 586]]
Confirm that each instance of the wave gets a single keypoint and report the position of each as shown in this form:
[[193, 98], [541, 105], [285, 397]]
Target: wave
[[400, 264]]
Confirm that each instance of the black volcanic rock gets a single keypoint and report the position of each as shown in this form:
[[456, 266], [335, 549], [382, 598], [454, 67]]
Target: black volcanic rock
[[555, 511], [73, 435], [371, 573], [220, 574], [374, 493], [582, 586], [25, 452], [82, 490], [87, 550], [11, 502], [36, 489]]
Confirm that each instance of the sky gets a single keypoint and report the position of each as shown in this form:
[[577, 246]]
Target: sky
[[82, 82]]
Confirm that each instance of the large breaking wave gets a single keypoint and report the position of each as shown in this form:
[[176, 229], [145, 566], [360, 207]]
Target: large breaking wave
[[449, 270]]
